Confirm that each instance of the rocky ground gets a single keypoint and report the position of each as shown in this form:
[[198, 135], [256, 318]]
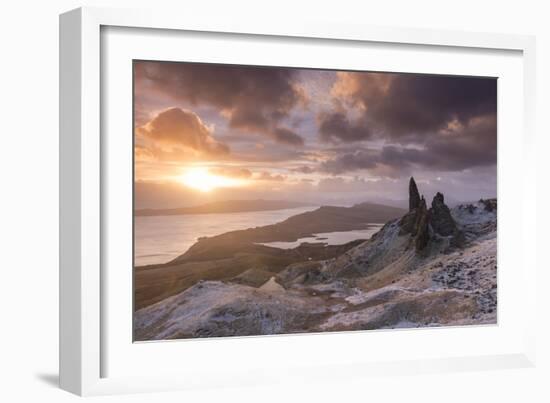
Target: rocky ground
[[432, 267]]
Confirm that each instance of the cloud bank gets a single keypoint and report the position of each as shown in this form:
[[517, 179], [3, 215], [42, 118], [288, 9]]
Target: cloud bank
[[254, 99], [296, 133], [446, 123]]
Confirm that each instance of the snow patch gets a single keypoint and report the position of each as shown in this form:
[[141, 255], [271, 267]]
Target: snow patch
[[272, 286]]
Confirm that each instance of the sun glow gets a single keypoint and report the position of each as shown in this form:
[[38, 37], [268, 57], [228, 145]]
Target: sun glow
[[201, 179]]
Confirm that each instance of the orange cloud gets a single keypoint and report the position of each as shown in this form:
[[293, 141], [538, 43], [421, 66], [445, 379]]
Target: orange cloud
[[176, 131], [233, 172], [252, 99]]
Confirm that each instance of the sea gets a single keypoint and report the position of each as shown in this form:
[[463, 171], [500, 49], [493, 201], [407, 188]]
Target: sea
[[159, 239]]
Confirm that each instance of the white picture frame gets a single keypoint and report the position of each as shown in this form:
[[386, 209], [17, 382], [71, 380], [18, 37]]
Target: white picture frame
[[85, 344]]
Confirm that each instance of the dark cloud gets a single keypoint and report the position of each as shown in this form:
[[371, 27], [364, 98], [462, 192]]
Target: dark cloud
[[177, 129], [336, 126], [461, 148], [471, 145], [284, 135], [458, 149], [362, 159], [438, 122], [254, 99], [401, 105]]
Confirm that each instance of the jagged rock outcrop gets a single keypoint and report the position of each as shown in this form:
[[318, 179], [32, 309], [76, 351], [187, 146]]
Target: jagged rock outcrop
[[425, 224], [422, 227], [414, 196], [443, 222], [417, 221], [417, 208], [441, 219], [489, 204]]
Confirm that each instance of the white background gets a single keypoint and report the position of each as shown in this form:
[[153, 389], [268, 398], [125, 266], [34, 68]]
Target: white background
[[28, 200]]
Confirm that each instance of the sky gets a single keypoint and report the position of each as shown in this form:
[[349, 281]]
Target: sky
[[208, 132]]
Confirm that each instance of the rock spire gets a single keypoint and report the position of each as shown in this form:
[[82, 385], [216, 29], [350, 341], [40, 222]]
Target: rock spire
[[414, 196], [425, 225]]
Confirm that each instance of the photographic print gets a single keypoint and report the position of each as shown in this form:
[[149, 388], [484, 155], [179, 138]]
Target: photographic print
[[277, 200]]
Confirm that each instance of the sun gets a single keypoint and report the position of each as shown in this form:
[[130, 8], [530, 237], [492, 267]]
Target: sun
[[200, 179]]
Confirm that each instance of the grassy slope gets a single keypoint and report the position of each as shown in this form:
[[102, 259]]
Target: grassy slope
[[154, 283]]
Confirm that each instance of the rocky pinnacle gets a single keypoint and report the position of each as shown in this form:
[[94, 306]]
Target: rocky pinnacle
[[422, 226], [441, 220], [425, 224], [414, 196]]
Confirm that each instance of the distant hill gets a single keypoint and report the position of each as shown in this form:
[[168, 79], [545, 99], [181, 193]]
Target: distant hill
[[323, 219], [226, 206], [230, 254]]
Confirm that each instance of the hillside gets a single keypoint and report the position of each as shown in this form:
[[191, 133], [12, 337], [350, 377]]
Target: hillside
[[231, 254], [431, 266], [323, 219]]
